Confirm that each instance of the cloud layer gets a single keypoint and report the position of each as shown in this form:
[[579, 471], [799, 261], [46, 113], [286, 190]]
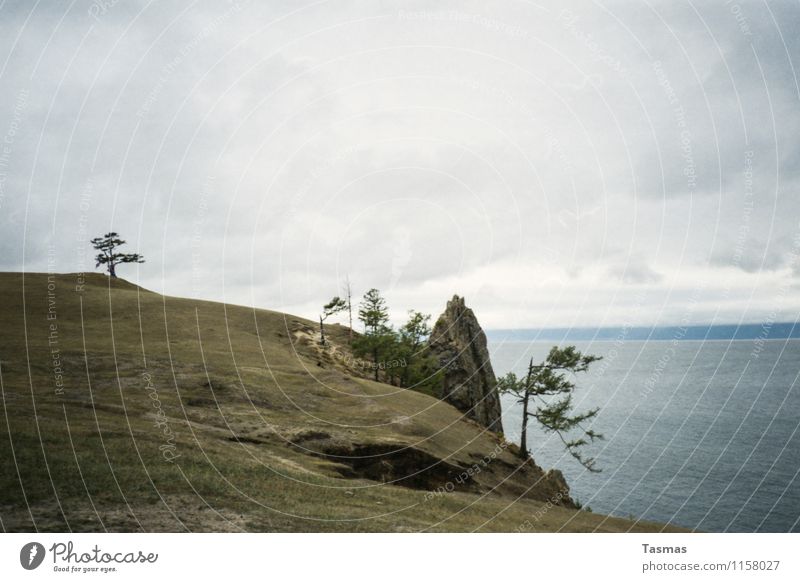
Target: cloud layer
[[625, 163]]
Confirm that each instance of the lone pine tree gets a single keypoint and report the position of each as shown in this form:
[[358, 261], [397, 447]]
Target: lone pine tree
[[108, 255], [334, 306], [538, 393]]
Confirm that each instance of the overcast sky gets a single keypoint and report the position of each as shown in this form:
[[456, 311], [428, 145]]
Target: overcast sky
[[602, 163]]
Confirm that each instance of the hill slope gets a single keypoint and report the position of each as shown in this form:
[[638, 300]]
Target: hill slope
[[125, 410]]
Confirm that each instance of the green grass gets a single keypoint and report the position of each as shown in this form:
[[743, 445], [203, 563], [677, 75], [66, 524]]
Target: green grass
[[237, 388]]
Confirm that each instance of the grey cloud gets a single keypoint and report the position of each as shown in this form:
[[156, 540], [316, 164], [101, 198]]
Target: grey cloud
[[407, 150], [635, 272]]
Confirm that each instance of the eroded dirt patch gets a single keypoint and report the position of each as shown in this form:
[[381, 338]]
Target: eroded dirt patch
[[393, 463]]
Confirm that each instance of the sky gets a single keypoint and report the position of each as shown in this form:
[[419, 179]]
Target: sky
[[559, 165]]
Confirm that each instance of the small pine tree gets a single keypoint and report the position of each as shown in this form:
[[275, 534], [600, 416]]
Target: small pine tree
[[541, 387], [378, 338], [416, 330], [334, 306], [372, 312], [420, 367], [107, 245]]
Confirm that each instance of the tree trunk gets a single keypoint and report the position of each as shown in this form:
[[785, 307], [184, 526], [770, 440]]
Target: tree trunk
[[112, 270], [350, 309], [321, 332], [375, 362], [350, 330], [523, 438]]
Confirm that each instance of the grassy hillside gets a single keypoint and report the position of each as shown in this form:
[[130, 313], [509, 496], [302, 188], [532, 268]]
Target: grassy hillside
[[125, 410]]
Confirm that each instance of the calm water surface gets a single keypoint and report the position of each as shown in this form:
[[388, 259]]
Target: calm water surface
[[701, 434]]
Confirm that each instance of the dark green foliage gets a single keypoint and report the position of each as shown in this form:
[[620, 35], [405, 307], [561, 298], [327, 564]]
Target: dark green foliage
[[546, 395], [416, 330], [421, 368], [334, 306], [402, 355], [378, 339], [379, 344], [372, 312], [107, 245]]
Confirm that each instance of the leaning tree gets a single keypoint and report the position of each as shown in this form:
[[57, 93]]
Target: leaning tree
[[108, 255], [545, 394], [334, 306]]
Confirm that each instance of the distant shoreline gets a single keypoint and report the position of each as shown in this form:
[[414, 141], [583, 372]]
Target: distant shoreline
[[725, 332], [549, 341]]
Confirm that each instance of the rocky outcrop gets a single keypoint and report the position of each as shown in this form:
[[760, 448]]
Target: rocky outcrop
[[469, 382]]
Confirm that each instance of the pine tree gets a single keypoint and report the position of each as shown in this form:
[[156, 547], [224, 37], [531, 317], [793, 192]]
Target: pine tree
[[334, 306], [378, 337], [107, 245], [419, 366], [540, 390]]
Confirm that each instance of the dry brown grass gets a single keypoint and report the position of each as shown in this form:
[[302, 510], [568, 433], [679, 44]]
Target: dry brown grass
[[271, 433]]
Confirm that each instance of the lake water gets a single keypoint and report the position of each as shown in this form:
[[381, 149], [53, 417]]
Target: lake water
[[700, 434]]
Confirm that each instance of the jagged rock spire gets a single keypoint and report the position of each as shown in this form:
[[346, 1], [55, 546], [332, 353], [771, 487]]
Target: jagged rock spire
[[469, 382]]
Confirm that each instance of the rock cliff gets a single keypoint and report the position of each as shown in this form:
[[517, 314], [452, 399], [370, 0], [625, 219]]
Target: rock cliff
[[469, 382]]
